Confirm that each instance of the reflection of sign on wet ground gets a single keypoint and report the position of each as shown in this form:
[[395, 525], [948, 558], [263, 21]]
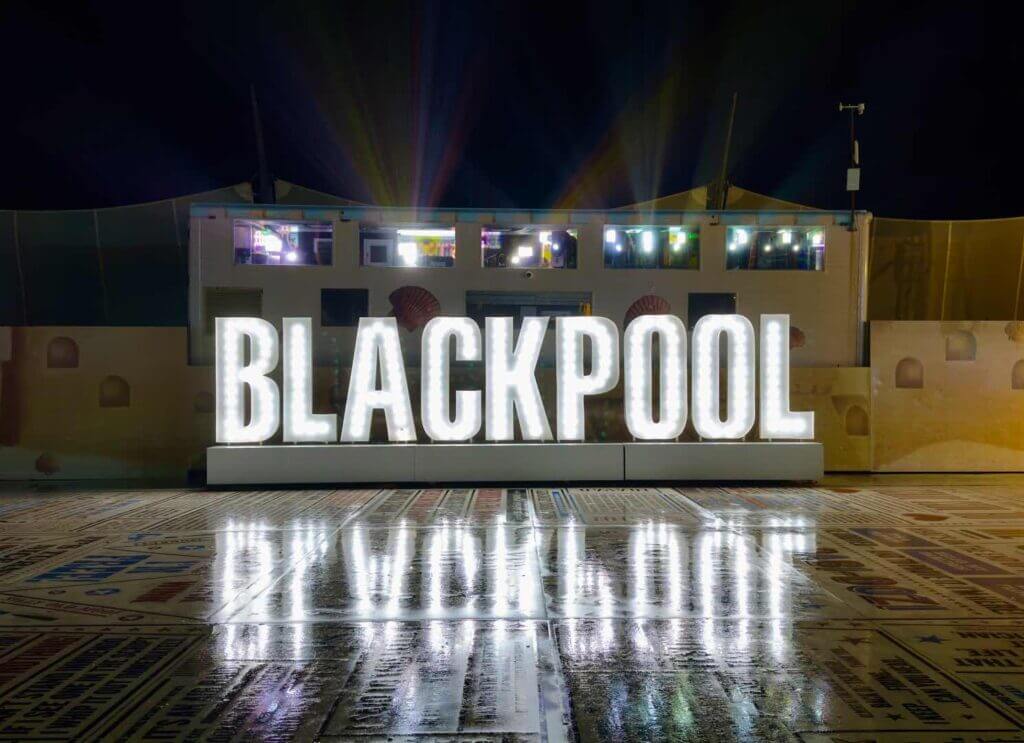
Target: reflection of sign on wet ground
[[661, 679], [808, 614]]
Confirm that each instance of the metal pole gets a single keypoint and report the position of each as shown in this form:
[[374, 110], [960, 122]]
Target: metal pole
[[853, 164], [722, 190], [853, 172]]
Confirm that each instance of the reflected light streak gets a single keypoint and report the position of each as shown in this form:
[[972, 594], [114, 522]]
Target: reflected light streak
[[706, 570], [775, 589], [438, 543], [500, 573], [360, 571], [396, 582], [569, 570], [741, 569]]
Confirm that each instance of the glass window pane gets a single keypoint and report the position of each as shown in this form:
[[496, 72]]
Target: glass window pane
[[529, 247], [651, 247], [775, 248], [700, 304], [282, 242], [343, 307], [404, 247], [482, 304]]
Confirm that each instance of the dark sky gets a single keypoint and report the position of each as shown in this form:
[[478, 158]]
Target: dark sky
[[484, 104]]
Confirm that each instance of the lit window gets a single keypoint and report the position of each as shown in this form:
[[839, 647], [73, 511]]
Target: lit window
[[775, 248], [651, 247], [529, 247], [275, 242], [407, 247]]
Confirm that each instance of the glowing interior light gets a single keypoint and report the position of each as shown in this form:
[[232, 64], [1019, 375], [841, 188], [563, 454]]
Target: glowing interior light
[[818, 239], [618, 248], [767, 247], [573, 384], [511, 383], [739, 334], [796, 247], [300, 423], [611, 236], [292, 256], [647, 241], [525, 251], [556, 247], [436, 361], [545, 237], [233, 375], [377, 344], [785, 236], [409, 253], [436, 233], [638, 343], [742, 236], [777, 420], [732, 247], [269, 241], [515, 260], [680, 241]]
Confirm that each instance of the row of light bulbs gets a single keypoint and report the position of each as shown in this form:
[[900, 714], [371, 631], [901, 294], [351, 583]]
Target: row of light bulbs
[[511, 385]]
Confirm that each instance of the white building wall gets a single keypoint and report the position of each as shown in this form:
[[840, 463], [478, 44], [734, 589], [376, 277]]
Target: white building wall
[[824, 304]]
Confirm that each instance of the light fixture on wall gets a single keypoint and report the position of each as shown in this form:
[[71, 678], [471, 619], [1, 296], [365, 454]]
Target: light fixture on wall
[[435, 405], [300, 423], [233, 374], [739, 338], [638, 344], [378, 346], [511, 383], [572, 381]]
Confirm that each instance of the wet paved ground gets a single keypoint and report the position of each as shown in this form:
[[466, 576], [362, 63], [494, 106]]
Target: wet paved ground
[[859, 610]]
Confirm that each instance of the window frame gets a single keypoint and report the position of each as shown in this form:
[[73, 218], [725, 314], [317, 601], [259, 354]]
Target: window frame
[[807, 230], [531, 229], [327, 226], [664, 252], [393, 245]]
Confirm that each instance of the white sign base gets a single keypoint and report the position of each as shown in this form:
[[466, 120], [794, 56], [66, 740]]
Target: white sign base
[[512, 463]]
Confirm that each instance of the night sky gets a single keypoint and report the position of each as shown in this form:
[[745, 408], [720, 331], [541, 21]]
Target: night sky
[[496, 104]]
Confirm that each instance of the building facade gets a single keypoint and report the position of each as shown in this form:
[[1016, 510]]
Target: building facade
[[335, 265]]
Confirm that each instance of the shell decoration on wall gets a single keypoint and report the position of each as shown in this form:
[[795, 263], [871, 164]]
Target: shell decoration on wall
[[414, 306], [47, 464], [649, 304], [797, 339], [1015, 331]]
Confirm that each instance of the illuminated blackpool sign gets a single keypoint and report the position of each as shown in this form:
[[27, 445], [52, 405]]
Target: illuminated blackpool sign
[[248, 351]]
